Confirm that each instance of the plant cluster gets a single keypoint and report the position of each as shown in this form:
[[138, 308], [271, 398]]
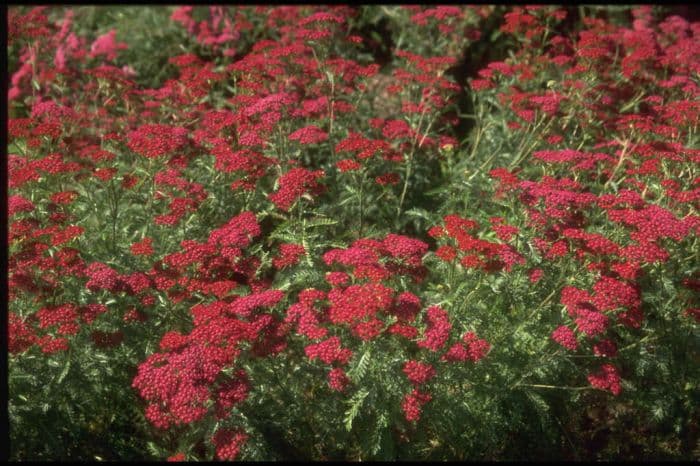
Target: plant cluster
[[309, 232]]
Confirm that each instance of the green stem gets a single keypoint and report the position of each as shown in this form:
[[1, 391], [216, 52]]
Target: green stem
[[638, 342], [409, 166], [552, 386], [540, 361], [114, 213], [361, 202], [331, 104], [479, 130], [536, 309], [531, 140], [625, 146], [152, 189], [409, 160]]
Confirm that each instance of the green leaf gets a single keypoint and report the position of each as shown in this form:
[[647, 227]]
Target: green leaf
[[355, 404], [359, 371], [307, 255], [64, 372], [420, 213], [155, 450], [320, 222], [381, 438], [17, 145]]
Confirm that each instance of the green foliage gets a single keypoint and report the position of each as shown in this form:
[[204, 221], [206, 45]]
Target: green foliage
[[438, 121]]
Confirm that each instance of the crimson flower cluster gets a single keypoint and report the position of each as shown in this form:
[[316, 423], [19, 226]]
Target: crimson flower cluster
[[476, 253], [612, 208], [294, 184], [363, 298]]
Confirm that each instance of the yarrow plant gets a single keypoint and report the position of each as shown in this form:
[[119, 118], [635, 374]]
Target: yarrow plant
[[353, 232]]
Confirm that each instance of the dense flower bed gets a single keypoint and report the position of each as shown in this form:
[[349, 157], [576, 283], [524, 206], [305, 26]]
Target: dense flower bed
[[316, 234]]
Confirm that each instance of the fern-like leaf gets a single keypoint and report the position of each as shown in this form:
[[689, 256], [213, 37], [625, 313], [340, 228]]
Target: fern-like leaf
[[379, 433], [320, 222], [359, 371], [355, 404]]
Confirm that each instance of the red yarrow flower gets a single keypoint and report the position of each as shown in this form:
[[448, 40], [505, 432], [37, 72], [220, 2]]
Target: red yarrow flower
[[438, 330], [177, 457], [413, 403], [606, 379], [565, 337], [107, 45], [289, 255], [347, 165], [470, 348], [418, 372], [337, 380], [142, 248], [446, 253], [295, 183], [328, 351], [605, 348], [156, 140], [309, 135], [228, 443], [17, 203], [535, 275]]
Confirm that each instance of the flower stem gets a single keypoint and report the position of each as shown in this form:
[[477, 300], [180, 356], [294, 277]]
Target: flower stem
[[361, 202]]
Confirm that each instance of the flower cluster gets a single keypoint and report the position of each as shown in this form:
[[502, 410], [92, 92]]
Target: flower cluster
[[418, 372], [289, 255], [413, 402], [297, 211], [471, 348], [228, 443], [181, 381], [476, 253], [601, 206], [295, 183], [156, 140]]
